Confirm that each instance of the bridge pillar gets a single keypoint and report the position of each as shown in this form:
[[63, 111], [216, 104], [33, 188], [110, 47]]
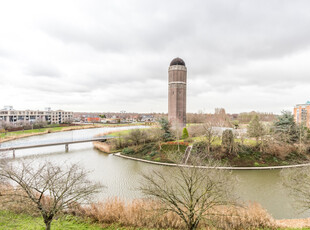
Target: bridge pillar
[[13, 153], [67, 147]]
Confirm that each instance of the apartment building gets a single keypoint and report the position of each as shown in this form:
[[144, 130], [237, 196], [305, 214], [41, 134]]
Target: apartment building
[[10, 115], [302, 114]]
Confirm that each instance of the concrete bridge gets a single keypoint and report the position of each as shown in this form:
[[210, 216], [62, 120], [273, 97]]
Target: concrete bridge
[[65, 143]]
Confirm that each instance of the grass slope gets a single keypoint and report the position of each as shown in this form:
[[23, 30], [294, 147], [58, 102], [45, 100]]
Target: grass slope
[[12, 221], [9, 220]]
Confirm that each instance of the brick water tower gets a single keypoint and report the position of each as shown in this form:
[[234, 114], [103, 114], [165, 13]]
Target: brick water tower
[[177, 93]]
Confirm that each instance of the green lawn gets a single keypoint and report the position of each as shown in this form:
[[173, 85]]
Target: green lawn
[[12, 221], [9, 220], [120, 133], [22, 132]]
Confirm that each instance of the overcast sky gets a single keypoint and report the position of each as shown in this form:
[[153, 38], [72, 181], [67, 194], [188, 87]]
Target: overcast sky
[[114, 55]]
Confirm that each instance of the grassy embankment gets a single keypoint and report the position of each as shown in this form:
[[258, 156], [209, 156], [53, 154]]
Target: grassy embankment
[[32, 132], [117, 216], [246, 154], [115, 213], [12, 221], [147, 151]]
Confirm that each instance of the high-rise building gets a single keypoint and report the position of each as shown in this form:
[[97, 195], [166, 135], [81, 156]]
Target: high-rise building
[[302, 114], [177, 93]]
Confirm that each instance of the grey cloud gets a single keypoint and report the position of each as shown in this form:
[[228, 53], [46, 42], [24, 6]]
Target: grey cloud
[[211, 35], [4, 53], [120, 51], [42, 70]]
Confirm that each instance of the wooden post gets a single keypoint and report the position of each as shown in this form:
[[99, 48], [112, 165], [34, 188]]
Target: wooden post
[[67, 147], [13, 153]]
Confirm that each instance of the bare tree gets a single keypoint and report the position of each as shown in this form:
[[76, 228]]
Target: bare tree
[[137, 136], [209, 134], [191, 193], [228, 141], [50, 188], [297, 182]]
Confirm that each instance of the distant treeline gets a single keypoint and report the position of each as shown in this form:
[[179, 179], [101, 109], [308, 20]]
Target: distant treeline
[[222, 116]]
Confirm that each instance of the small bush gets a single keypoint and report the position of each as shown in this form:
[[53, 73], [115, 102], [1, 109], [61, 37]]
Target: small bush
[[147, 149], [157, 159], [153, 153], [280, 149], [128, 151], [184, 133], [173, 146], [148, 158], [199, 147]]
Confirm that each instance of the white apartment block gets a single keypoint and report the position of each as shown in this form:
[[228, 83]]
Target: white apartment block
[[10, 115]]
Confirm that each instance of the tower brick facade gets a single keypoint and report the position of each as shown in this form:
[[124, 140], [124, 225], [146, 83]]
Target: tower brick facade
[[177, 93]]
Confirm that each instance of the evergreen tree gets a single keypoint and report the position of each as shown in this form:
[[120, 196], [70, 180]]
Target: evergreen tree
[[185, 133], [165, 126], [286, 128]]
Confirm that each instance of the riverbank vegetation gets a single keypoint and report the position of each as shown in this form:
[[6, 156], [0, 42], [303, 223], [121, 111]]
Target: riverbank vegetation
[[189, 198], [281, 142], [115, 213], [8, 136]]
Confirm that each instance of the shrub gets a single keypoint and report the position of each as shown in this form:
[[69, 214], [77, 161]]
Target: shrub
[[39, 124], [2, 130], [173, 146], [128, 151], [154, 134], [165, 127], [153, 153], [199, 147], [280, 149], [228, 140], [157, 159], [137, 135], [147, 148], [176, 143], [184, 133]]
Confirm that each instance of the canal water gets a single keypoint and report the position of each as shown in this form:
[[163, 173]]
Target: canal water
[[122, 177]]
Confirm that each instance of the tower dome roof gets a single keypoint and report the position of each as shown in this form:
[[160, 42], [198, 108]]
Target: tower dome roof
[[177, 61]]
